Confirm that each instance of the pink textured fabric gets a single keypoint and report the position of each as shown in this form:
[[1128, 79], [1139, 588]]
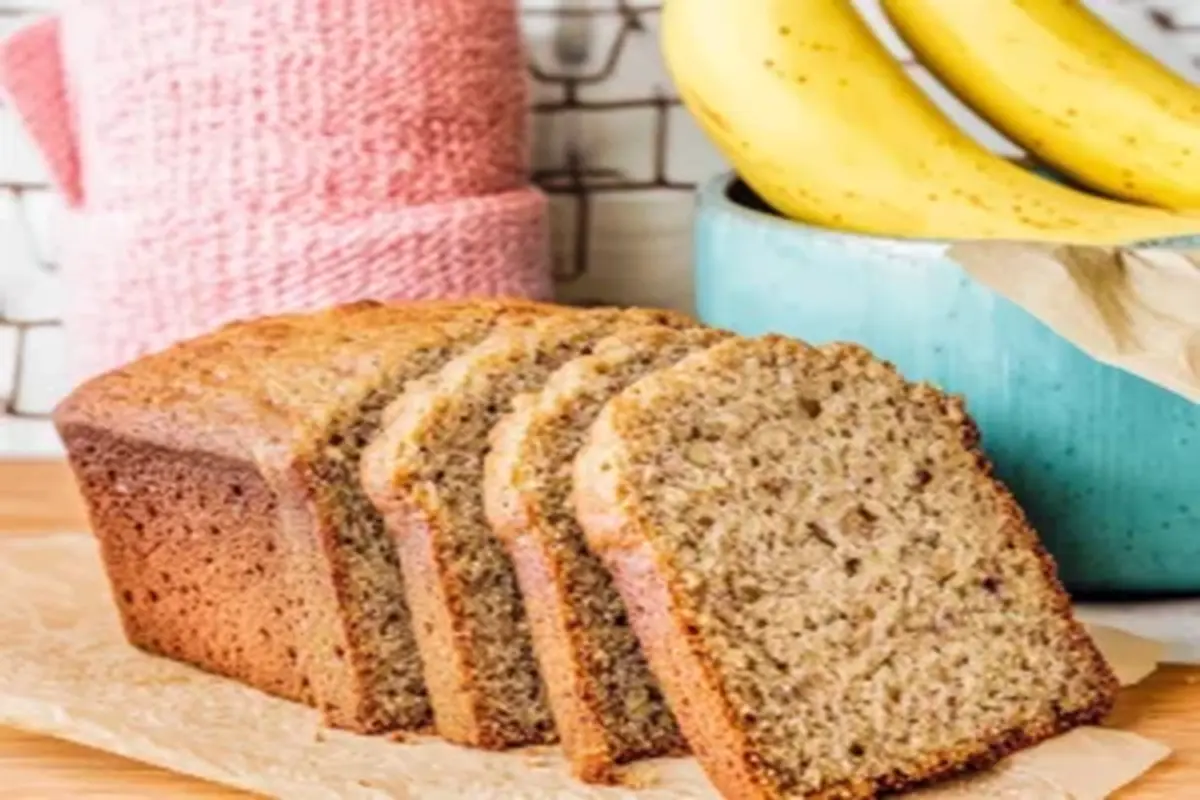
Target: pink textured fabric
[[230, 158], [38, 88]]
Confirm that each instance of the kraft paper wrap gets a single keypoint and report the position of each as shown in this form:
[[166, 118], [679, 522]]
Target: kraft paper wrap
[[66, 671], [1138, 310]]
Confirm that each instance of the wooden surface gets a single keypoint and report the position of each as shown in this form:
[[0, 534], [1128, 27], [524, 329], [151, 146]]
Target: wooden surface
[[38, 497]]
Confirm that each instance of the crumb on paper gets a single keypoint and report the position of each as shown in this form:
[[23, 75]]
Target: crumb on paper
[[399, 736], [538, 756], [538, 750], [639, 776]]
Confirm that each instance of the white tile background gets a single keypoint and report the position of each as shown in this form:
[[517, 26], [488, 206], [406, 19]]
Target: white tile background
[[614, 149]]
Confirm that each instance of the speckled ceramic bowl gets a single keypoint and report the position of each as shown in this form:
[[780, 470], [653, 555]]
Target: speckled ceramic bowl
[[1106, 465]]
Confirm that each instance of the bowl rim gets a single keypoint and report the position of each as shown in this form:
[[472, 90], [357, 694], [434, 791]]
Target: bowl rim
[[713, 195]]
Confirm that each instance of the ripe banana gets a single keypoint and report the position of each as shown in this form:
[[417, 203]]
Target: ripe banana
[[1066, 87], [817, 117]]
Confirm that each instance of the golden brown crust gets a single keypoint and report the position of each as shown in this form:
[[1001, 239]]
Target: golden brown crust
[[676, 656], [560, 639], [665, 624], [392, 474], [584, 659], [163, 568], [552, 622], [437, 614], [508, 514], [555, 629], [208, 393], [199, 468]]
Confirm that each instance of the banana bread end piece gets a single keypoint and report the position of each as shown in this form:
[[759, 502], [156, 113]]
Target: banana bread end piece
[[221, 480]]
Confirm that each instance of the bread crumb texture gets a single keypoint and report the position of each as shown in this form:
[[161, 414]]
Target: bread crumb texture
[[425, 473], [838, 597], [607, 706], [221, 480]]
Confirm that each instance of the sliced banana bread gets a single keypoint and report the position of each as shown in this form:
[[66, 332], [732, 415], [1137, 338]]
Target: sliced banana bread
[[836, 596], [221, 480], [425, 474], [606, 705]]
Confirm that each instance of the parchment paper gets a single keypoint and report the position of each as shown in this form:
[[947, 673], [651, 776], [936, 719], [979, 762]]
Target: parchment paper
[[1138, 310], [66, 671], [1174, 625]]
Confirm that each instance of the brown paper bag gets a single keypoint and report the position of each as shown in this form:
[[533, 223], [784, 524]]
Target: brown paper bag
[[1138, 310], [66, 671]]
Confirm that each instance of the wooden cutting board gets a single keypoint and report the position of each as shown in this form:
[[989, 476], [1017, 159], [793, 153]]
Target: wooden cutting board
[[39, 498]]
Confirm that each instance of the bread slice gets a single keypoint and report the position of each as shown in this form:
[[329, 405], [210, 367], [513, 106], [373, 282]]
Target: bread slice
[[837, 597], [607, 707], [425, 474], [221, 480]]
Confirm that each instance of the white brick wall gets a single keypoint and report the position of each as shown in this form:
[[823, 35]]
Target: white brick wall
[[613, 148]]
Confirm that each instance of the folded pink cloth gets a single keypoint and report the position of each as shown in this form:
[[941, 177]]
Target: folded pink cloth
[[229, 158]]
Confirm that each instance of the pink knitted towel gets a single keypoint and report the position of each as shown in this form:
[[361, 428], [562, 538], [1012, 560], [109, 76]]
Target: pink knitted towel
[[230, 158]]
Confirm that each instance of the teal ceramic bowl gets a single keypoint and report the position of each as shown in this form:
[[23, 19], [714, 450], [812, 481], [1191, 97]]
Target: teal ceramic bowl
[[1106, 464]]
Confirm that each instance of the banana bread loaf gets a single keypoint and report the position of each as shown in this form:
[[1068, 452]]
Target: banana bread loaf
[[836, 596], [221, 479], [607, 707], [425, 475]]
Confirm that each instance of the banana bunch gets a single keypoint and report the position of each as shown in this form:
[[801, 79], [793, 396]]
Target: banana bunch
[[1066, 87], [820, 120]]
